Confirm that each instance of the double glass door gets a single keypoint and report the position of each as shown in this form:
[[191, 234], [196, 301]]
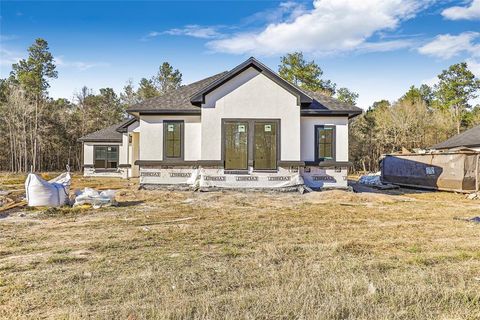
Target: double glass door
[[251, 141]]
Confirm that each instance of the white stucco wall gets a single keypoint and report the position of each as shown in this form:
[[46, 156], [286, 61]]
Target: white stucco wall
[[151, 136], [134, 171], [250, 95], [308, 136], [132, 156], [123, 151], [87, 153]]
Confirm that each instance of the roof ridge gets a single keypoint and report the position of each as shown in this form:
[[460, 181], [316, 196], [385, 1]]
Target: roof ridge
[[108, 133], [183, 89], [196, 82], [183, 86]]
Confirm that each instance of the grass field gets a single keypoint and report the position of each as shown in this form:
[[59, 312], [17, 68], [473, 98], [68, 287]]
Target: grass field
[[234, 255]]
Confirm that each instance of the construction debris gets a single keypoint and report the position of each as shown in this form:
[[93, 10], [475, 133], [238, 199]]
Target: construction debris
[[474, 219], [473, 196], [373, 180], [94, 198], [13, 205]]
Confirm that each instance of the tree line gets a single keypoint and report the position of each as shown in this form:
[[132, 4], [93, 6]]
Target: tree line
[[42, 133], [419, 119]]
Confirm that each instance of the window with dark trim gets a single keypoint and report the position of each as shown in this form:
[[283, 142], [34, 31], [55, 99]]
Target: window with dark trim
[[324, 143], [173, 139], [105, 157]]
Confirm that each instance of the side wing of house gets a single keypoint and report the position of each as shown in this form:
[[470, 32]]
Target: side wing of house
[[110, 152], [324, 148]]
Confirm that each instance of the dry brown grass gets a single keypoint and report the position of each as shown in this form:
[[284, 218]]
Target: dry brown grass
[[332, 255]]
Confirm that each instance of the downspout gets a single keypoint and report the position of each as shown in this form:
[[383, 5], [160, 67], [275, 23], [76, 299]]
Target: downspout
[[128, 155], [82, 168], [476, 173]]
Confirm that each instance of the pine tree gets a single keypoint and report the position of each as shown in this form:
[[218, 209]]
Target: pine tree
[[457, 86], [307, 75]]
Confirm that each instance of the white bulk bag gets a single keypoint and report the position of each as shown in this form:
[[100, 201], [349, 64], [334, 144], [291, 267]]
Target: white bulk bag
[[53, 193]]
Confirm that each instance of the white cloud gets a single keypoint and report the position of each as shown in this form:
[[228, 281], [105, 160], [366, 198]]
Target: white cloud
[[193, 30], [7, 37], [8, 57], [384, 46], [474, 66], [446, 46], [79, 65], [286, 11], [331, 26], [471, 12]]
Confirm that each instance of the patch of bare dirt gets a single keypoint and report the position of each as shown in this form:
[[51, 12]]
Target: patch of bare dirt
[[342, 196]]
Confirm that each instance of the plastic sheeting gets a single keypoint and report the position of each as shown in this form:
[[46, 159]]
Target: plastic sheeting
[[217, 178], [372, 179], [174, 176], [323, 178], [53, 193], [94, 198]]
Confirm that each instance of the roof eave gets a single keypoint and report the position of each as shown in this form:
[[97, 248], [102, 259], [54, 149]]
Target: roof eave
[[167, 112], [99, 140], [456, 146], [348, 113], [124, 127]]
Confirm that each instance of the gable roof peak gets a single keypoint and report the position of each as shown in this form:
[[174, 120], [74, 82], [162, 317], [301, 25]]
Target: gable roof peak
[[199, 97]]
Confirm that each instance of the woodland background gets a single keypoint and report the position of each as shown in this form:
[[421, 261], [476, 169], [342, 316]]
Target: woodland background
[[39, 132]]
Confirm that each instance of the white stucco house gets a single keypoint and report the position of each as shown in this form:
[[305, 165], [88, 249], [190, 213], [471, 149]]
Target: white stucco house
[[246, 127]]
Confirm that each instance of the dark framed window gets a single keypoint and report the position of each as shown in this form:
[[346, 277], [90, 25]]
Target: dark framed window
[[324, 143], [105, 157], [173, 139], [250, 142]]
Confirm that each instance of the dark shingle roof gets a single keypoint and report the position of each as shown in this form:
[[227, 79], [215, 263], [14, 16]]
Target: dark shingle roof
[[327, 103], [109, 134], [469, 138], [178, 99]]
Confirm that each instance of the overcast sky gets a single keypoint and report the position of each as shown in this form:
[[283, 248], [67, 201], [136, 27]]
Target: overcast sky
[[377, 48]]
